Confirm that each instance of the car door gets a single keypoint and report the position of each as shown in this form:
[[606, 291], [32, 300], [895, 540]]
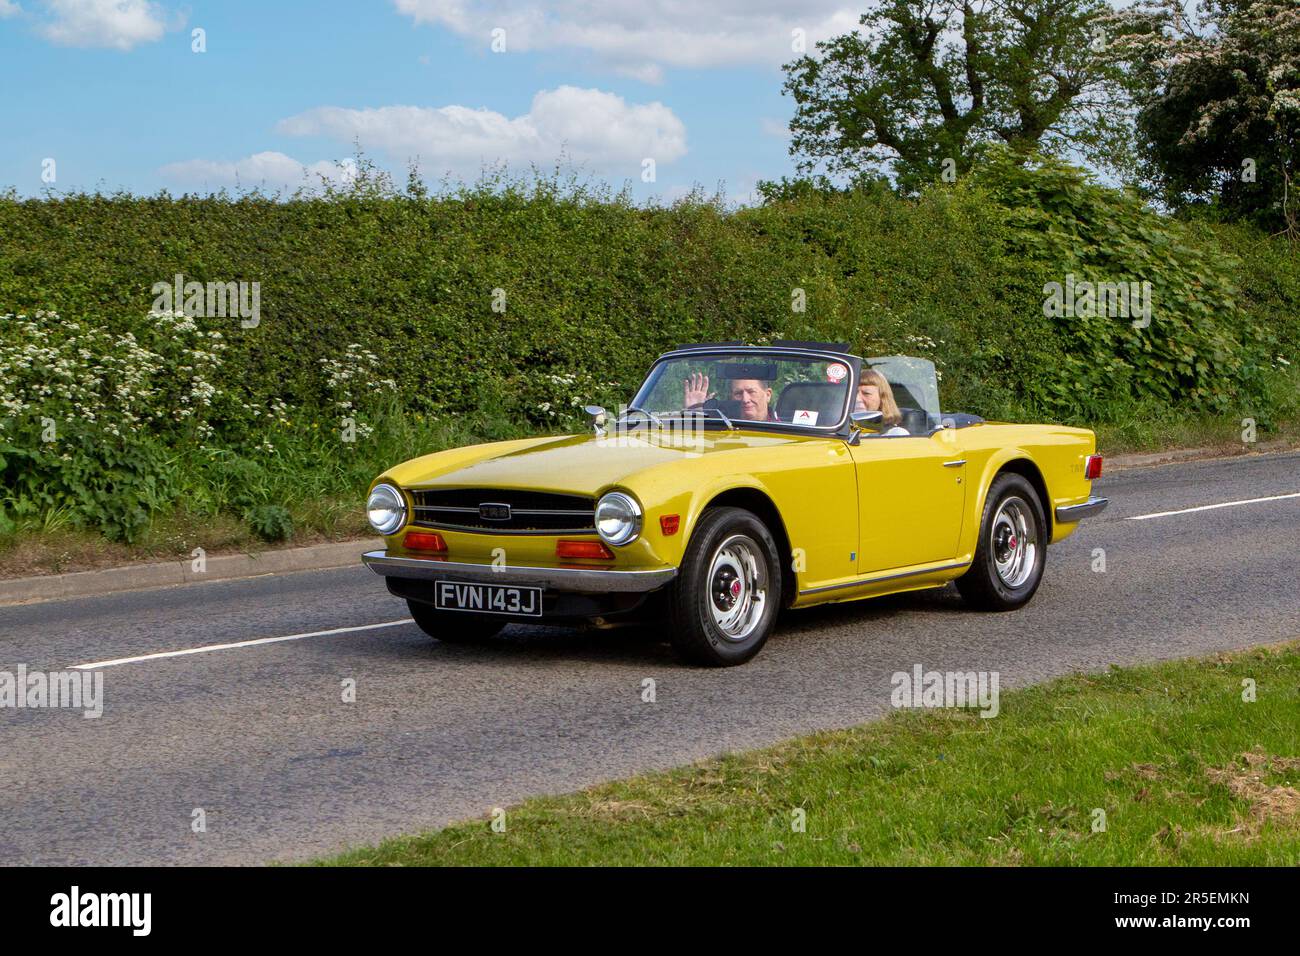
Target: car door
[[911, 499]]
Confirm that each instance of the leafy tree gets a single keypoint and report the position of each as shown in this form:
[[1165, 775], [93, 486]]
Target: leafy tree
[[922, 82], [1221, 116]]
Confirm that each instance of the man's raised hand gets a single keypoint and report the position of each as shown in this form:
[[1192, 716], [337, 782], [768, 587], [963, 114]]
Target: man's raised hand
[[697, 390]]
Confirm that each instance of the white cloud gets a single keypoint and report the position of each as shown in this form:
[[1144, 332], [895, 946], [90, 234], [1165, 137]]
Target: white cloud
[[119, 24], [9, 9], [635, 36], [270, 171], [589, 127]]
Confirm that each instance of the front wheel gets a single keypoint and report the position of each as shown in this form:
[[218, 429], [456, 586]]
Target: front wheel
[[454, 627], [724, 601], [1012, 548]]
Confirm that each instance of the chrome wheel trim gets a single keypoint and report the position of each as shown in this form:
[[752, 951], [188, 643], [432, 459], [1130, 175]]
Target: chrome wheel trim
[[1013, 542], [736, 587]]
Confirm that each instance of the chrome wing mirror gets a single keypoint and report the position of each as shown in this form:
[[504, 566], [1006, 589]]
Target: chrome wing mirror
[[861, 421], [597, 416]]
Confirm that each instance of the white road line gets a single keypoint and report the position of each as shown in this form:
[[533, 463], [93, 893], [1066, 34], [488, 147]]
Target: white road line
[[238, 644], [1225, 504]]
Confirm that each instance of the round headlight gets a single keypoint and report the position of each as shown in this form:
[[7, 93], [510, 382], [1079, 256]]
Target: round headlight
[[618, 518], [386, 509]]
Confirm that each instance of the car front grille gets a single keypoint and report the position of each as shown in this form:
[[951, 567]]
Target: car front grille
[[480, 509]]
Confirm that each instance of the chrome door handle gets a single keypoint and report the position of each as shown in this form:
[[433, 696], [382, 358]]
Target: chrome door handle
[[954, 464]]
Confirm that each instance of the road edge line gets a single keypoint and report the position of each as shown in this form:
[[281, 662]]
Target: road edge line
[[1176, 456]]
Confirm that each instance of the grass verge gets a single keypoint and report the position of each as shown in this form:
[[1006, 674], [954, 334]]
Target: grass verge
[[325, 505], [1141, 433], [1187, 772], [320, 484], [317, 481]]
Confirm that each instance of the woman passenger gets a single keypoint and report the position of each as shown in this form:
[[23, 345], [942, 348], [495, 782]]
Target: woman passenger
[[875, 395]]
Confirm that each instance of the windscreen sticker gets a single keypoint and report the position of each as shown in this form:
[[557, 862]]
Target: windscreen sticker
[[803, 416], [836, 371]]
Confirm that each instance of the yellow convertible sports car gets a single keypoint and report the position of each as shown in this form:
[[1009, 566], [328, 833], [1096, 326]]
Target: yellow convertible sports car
[[741, 480]]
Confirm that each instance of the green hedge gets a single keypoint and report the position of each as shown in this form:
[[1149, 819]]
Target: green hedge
[[595, 287]]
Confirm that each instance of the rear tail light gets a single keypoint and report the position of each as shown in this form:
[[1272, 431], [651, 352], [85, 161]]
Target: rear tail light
[[424, 541], [582, 549], [1092, 468]]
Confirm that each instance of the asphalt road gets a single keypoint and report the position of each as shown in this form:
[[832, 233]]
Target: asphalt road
[[260, 739]]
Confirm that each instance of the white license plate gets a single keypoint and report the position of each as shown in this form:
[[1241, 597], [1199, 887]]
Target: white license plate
[[488, 598]]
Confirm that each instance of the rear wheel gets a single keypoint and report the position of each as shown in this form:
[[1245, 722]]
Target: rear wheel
[[724, 601], [454, 627], [1012, 548]]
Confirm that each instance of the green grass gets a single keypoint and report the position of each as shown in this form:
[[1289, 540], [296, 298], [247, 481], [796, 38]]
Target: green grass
[[1186, 771], [1138, 432], [321, 482], [205, 495]]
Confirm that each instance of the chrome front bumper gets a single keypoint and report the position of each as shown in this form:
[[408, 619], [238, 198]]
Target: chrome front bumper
[[577, 580], [1068, 514]]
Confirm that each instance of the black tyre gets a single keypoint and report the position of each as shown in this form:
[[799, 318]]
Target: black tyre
[[1012, 548], [724, 601], [454, 627]]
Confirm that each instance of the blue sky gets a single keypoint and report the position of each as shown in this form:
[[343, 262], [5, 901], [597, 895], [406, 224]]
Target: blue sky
[[112, 91]]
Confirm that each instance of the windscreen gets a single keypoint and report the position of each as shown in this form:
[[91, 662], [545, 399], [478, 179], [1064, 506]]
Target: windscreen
[[915, 389], [808, 391]]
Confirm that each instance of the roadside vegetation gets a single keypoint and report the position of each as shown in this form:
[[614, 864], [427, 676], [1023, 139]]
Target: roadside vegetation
[[393, 321], [377, 337], [1187, 772]]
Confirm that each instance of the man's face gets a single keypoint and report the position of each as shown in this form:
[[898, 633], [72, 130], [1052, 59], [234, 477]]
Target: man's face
[[753, 398]]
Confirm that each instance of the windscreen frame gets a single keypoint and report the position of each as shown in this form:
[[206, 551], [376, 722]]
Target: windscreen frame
[[705, 353]]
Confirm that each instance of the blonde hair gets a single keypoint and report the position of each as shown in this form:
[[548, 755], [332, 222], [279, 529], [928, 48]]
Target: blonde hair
[[888, 407]]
